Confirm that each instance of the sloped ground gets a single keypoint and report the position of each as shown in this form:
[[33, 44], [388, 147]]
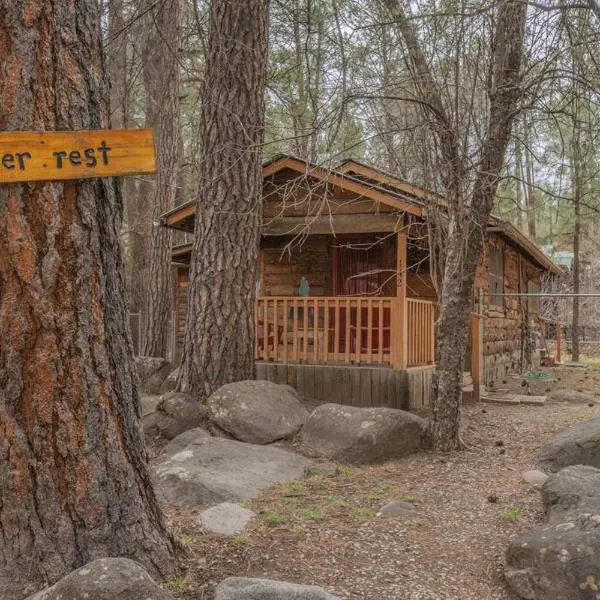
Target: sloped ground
[[470, 505]]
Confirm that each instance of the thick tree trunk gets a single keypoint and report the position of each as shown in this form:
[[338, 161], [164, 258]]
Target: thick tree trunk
[[74, 480], [161, 76], [467, 217], [219, 336], [576, 186]]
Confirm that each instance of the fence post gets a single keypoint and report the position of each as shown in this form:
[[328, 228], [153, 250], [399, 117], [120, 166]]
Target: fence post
[[558, 328]]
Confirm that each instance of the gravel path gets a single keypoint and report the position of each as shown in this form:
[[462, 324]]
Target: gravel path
[[470, 505]]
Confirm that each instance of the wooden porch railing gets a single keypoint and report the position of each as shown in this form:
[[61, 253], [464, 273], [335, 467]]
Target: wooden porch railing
[[421, 335], [347, 329]]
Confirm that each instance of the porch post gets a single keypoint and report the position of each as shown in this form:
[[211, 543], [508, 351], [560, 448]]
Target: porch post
[[476, 357], [401, 322], [558, 328]]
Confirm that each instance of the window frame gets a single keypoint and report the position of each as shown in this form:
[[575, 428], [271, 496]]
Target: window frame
[[496, 262]]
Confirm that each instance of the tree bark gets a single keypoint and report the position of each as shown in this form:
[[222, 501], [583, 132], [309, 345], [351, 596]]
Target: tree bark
[[74, 480], [576, 184], [161, 76], [467, 216], [218, 344]]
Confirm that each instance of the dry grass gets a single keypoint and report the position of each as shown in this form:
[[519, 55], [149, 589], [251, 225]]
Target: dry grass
[[325, 530]]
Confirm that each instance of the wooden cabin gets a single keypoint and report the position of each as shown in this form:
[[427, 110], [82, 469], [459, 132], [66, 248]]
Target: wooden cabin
[[345, 304]]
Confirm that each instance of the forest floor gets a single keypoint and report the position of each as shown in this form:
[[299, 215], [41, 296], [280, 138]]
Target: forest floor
[[471, 504]]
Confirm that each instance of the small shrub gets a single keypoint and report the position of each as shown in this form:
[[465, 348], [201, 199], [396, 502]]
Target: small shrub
[[296, 487], [372, 496], [411, 498], [186, 540], [312, 514], [272, 517], [363, 513], [510, 514], [177, 582], [299, 529], [239, 540], [345, 471], [335, 502]]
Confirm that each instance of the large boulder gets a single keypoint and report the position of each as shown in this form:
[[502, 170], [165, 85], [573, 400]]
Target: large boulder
[[242, 588], [349, 434], [195, 468], [258, 412], [560, 560], [579, 445], [105, 579], [152, 373], [175, 413]]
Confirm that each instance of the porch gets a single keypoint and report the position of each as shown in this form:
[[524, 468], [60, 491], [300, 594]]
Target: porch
[[384, 331]]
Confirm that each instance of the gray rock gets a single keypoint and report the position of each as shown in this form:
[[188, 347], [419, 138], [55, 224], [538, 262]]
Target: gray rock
[[182, 441], [226, 519], [398, 508], [572, 396], [195, 468], [175, 413], [258, 412], [241, 588], [152, 373], [105, 579], [579, 445], [561, 559], [325, 469], [534, 477], [348, 434]]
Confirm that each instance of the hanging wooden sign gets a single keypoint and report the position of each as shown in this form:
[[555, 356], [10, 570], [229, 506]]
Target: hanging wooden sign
[[59, 155]]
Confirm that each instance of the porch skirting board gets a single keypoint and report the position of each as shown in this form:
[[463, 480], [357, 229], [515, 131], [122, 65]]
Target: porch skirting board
[[354, 386]]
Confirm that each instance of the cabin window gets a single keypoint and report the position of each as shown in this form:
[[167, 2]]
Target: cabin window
[[533, 302], [496, 277]]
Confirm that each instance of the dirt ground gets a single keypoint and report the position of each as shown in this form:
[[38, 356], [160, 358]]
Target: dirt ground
[[470, 505]]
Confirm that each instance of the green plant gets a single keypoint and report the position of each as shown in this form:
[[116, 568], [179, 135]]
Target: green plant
[[363, 513], [389, 486], [335, 502], [239, 540], [299, 529], [186, 540], [345, 471], [412, 498], [177, 582], [296, 487], [312, 514], [372, 496], [272, 517], [510, 514]]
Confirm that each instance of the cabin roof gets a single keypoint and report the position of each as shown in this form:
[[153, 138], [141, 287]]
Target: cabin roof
[[374, 184]]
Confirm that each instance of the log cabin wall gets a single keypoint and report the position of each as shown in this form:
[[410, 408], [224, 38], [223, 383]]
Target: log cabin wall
[[504, 316], [281, 270]]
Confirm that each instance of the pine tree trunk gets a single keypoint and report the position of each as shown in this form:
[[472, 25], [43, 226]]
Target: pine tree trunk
[[218, 344], [576, 186], [161, 75], [74, 480]]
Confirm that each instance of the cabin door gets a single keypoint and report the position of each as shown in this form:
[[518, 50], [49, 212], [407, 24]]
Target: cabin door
[[359, 270]]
